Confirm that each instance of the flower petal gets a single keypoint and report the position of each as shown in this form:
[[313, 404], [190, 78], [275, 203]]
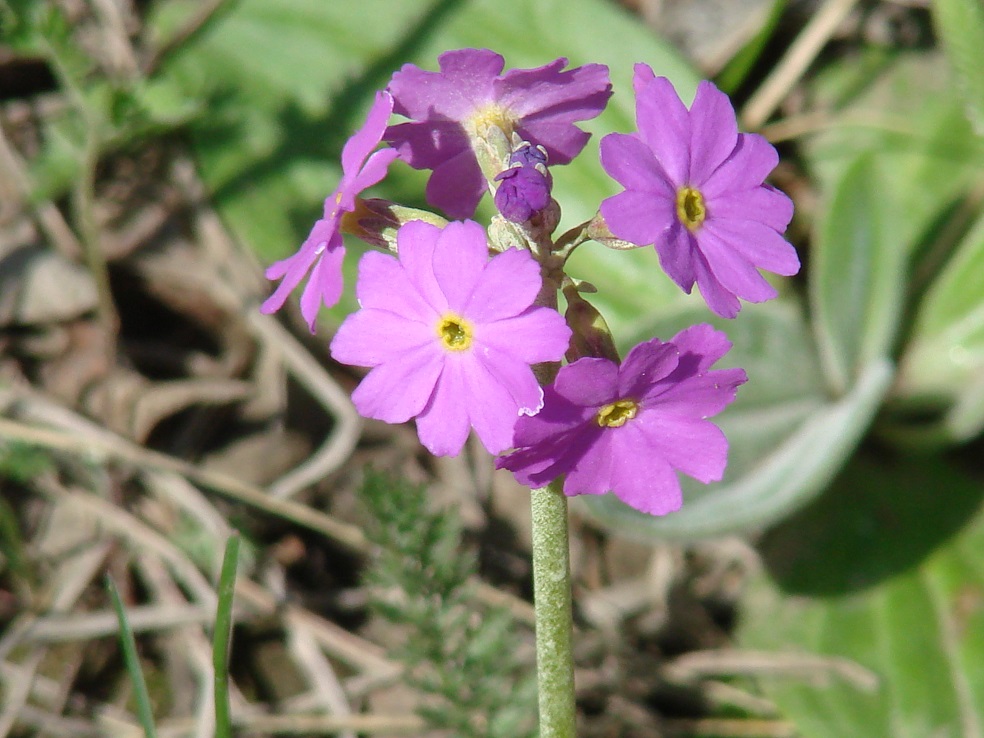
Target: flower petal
[[588, 382], [367, 138], [640, 478], [464, 83], [732, 270], [664, 126], [415, 244], [714, 132], [678, 255], [538, 334], [632, 164], [764, 204], [757, 243], [592, 473], [718, 298], [383, 284], [460, 256], [638, 217], [695, 447], [456, 185], [396, 391], [324, 285], [372, 337], [492, 409], [748, 166], [443, 424], [516, 377], [644, 365], [508, 285]]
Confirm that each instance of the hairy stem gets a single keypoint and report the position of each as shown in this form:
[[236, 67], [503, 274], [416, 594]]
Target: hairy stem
[[552, 592]]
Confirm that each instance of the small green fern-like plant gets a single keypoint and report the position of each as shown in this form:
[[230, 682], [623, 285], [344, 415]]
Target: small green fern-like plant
[[460, 654]]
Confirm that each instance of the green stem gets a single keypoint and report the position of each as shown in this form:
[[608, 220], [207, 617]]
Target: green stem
[[552, 593]]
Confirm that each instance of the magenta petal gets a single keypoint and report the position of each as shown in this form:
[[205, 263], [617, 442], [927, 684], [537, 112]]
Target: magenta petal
[[718, 298], [396, 391], [443, 423], [492, 410], [747, 167], [664, 125], [373, 172], [415, 244], [704, 341], [517, 379], [588, 382], [631, 163], [383, 284], [714, 131], [460, 257], [592, 473], [536, 335], [757, 243], [510, 280], [324, 285], [764, 205], [700, 395], [371, 337], [464, 81], [732, 270], [358, 147], [645, 364], [678, 255], [427, 144], [638, 216], [457, 185], [643, 479], [642, 75], [292, 271], [695, 447]]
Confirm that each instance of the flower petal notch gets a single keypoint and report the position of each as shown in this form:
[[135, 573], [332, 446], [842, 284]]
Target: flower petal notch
[[695, 189], [629, 428], [320, 256], [450, 336], [451, 108]]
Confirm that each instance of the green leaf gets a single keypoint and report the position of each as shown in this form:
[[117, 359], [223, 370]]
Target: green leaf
[[874, 573], [901, 108], [145, 710], [857, 275], [960, 25], [945, 358], [787, 438]]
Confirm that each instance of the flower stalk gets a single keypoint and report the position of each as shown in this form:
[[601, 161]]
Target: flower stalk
[[552, 597]]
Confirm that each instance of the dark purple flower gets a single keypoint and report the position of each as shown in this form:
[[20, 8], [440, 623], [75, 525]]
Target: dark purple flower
[[522, 192], [448, 108], [694, 187], [451, 336], [324, 249], [628, 428]]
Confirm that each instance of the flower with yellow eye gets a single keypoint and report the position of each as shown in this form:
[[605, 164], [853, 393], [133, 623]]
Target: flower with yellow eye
[[694, 188], [450, 336]]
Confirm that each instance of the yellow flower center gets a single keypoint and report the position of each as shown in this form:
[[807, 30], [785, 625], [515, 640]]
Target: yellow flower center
[[455, 332], [617, 414], [690, 208], [491, 115]]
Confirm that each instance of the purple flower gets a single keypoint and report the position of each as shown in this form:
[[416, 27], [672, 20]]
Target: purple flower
[[450, 335], [694, 187], [626, 428], [324, 249], [449, 107], [522, 193]]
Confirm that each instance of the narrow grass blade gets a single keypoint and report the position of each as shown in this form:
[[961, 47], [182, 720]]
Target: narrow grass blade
[[144, 711], [222, 638]]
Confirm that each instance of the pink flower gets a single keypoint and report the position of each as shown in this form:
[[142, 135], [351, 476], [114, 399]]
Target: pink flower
[[450, 336], [449, 107], [627, 428], [324, 249], [694, 187]]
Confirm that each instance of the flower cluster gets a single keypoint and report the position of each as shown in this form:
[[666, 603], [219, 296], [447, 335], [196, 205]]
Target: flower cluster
[[457, 322]]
